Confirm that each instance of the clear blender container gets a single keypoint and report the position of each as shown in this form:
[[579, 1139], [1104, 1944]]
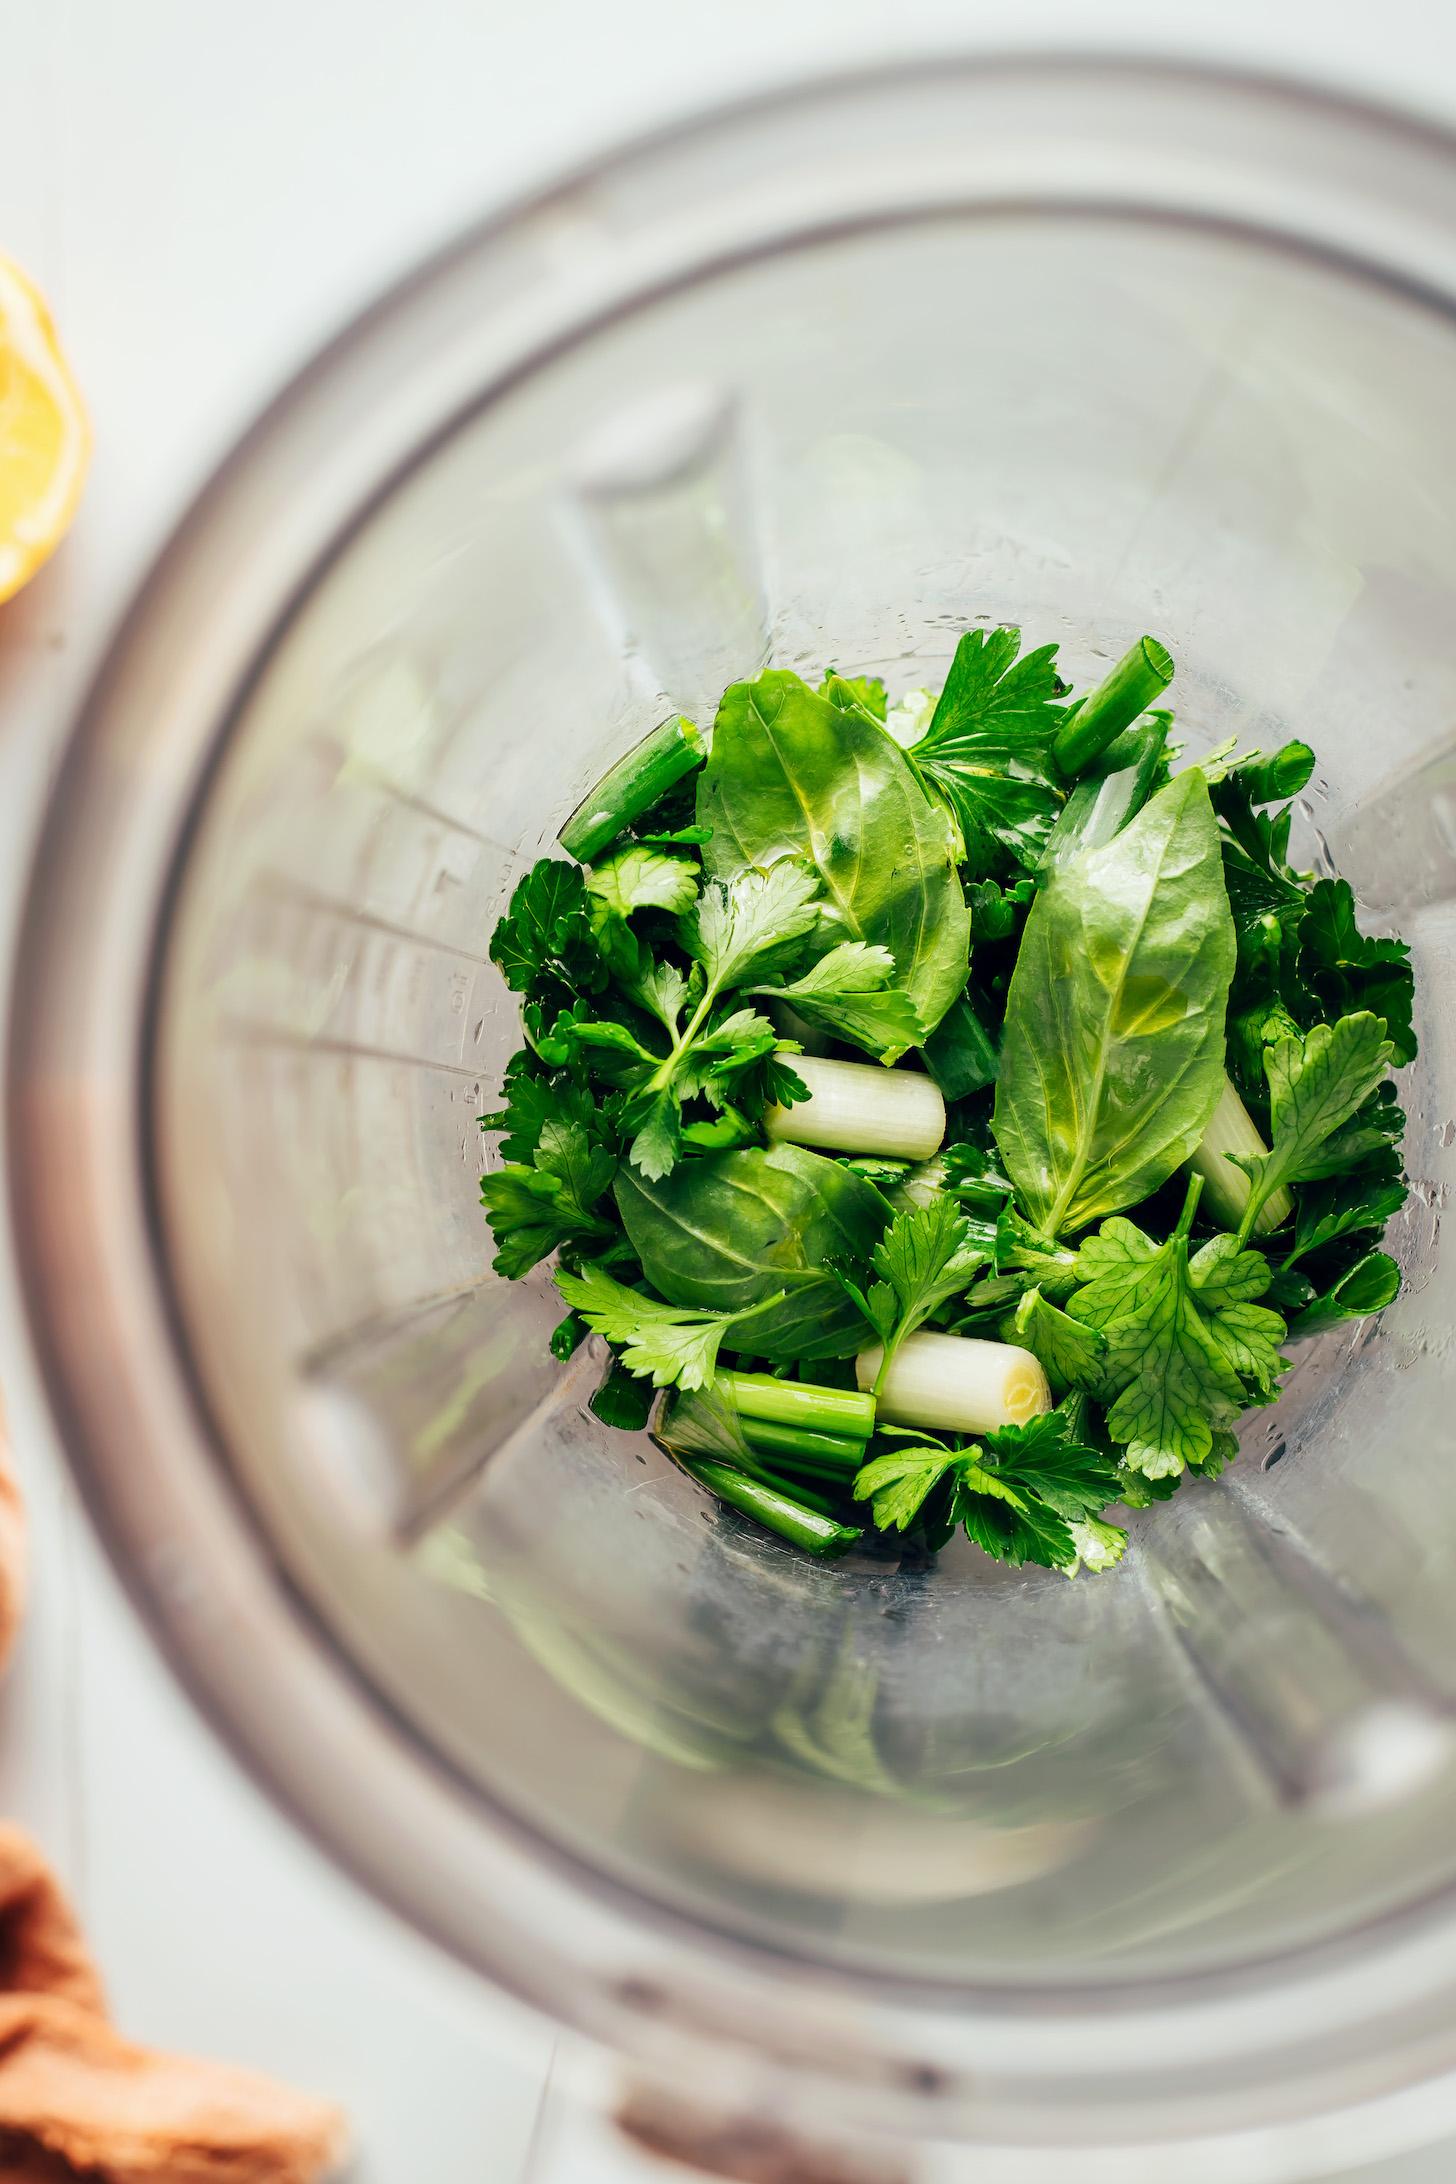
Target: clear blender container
[[974, 1866]]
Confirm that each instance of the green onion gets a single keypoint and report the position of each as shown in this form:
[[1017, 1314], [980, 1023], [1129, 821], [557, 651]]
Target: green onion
[[1138, 681], [763, 1396], [861, 1107], [1275, 779], [793, 1487], [631, 787], [1227, 1190], [1101, 804], [811, 1529], [956, 1381], [828, 1453]]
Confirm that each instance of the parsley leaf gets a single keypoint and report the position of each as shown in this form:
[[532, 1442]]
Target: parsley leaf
[[997, 912], [732, 930], [848, 992], [1022, 1493], [1265, 895], [1315, 1086], [739, 923], [689, 837], [639, 878], [670, 1345], [988, 749], [1343, 1205], [1031, 1493], [535, 1210], [926, 1256], [898, 1485], [529, 1101], [545, 927], [1186, 1345], [1071, 1353], [1347, 971]]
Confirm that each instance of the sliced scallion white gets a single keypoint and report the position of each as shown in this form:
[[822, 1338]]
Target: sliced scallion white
[[958, 1382], [1226, 1189], [861, 1107]]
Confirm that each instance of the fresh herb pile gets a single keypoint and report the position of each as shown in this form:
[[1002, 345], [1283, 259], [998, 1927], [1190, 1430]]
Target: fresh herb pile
[[958, 1105]]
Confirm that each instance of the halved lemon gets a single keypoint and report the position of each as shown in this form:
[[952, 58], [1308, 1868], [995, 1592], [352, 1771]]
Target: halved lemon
[[45, 441]]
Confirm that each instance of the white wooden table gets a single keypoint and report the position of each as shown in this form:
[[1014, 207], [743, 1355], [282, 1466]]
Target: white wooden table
[[205, 188]]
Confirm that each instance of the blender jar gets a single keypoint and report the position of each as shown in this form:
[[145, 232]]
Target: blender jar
[[1153, 1866]]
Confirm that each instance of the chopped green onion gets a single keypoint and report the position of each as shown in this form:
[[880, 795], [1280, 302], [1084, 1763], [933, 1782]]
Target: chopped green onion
[[792, 1486], [1138, 681], [811, 1529], [1227, 1190], [623, 1400], [861, 1107], [764, 1396], [632, 787], [813, 1450], [956, 1381], [1100, 805]]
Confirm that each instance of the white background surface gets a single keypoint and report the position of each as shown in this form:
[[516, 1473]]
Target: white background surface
[[205, 188]]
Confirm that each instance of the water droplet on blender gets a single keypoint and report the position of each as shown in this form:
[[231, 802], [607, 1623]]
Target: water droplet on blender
[[1446, 1135], [1324, 862], [1275, 1456]]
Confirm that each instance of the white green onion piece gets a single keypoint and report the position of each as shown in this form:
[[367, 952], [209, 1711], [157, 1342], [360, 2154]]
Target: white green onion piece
[[861, 1107], [1226, 1189], [958, 1382]]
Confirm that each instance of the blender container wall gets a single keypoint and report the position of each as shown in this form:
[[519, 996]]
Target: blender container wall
[[827, 382]]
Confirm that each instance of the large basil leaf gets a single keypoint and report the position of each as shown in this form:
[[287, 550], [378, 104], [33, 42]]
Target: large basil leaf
[[792, 774], [1112, 1054], [733, 1228]]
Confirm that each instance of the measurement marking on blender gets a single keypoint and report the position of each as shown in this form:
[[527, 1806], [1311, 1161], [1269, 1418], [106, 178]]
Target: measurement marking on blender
[[410, 798], [249, 1033], [363, 1333], [1338, 1717], [429, 1504], [288, 889]]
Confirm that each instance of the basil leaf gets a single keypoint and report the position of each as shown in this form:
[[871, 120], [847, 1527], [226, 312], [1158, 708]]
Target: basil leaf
[[793, 775], [732, 1230], [1112, 1052]]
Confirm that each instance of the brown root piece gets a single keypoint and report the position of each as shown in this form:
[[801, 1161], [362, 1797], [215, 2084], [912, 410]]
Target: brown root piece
[[73, 2090], [41, 1946]]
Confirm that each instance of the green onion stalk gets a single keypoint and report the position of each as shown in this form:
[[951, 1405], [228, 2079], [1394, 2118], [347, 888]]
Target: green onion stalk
[[812, 1530], [632, 787], [1137, 682]]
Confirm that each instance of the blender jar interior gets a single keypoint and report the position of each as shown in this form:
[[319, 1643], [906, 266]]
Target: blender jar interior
[[1087, 351], [1078, 424]]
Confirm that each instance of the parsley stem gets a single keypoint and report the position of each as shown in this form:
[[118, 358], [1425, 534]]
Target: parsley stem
[[631, 787], [811, 1529], [763, 1397], [1138, 680], [1190, 1207]]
